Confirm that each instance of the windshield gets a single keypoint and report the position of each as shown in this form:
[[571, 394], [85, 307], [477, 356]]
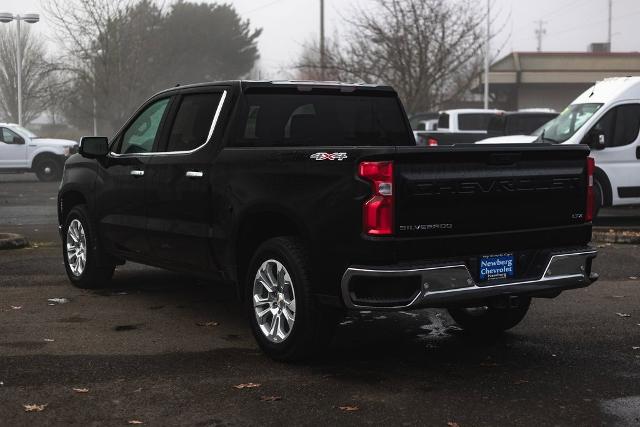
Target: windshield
[[24, 131], [567, 123]]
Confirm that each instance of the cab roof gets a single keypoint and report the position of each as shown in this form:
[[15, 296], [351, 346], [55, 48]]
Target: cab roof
[[612, 89], [301, 85]]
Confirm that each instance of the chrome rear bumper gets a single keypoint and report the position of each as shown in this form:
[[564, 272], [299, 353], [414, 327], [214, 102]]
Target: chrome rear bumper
[[453, 284]]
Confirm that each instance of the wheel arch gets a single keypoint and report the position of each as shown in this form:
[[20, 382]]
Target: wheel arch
[[44, 155], [67, 200], [256, 227], [607, 192]]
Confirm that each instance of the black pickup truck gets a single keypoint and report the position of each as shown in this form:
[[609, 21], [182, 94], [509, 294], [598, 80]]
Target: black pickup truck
[[312, 199]]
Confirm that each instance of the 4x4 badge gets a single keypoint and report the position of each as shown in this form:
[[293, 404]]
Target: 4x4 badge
[[329, 156]]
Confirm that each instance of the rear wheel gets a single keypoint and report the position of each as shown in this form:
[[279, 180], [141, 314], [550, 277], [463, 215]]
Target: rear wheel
[[285, 319], [490, 320], [48, 169], [86, 264]]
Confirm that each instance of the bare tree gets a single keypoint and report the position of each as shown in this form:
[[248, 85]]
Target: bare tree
[[428, 50], [34, 74], [123, 51]]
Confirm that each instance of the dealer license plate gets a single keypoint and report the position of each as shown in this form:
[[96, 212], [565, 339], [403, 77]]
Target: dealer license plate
[[495, 267]]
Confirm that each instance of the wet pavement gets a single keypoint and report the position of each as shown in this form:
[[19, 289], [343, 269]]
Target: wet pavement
[[166, 349]]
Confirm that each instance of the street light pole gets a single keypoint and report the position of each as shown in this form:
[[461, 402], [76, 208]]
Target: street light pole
[[30, 18], [322, 53], [486, 57], [19, 67]]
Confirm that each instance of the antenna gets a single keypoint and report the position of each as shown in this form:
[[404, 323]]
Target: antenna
[[540, 32]]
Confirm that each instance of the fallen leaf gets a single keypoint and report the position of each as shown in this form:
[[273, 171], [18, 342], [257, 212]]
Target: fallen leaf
[[623, 314], [489, 365], [48, 340], [138, 390], [134, 422], [349, 408], [207, 323], [270, 398], [247, 385], [520, 382], [453, 424], [16, 307], [81, 390], [34, 407]]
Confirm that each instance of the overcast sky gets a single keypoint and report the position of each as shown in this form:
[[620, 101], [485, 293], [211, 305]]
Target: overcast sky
[[570, 24]]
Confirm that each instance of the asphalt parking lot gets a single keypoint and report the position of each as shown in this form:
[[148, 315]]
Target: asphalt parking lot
[[165, 349]]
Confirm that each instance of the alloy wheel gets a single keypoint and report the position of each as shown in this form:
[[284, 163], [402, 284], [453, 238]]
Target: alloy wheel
[[76, 247], [274, 301]]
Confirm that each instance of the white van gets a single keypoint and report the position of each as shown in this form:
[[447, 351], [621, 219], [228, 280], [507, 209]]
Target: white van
[[607, 118]]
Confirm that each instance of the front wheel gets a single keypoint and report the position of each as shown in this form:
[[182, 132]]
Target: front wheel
[[86, 264], [285, 319], [48, 169], [490, 320]]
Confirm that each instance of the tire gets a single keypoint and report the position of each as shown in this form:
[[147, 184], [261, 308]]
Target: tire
[[48, 169], [80, 238], [285, 319], [489, 320]]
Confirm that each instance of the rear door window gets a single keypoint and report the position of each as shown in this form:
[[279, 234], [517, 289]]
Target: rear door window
[[474, 121], [443, 121], [291, 119], [193, 123]]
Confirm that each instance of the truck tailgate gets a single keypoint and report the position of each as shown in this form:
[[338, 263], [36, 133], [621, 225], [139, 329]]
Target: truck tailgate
[[466, 190]]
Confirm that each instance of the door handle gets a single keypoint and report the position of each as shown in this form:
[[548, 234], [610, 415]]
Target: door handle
[[638, 153], [136, 173], [194, 174]]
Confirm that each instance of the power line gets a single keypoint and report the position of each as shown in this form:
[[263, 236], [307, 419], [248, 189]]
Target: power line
[[562, 7], [260, 7]]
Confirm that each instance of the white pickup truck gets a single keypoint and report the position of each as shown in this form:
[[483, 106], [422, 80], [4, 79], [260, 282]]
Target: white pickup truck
[[461, 126], [606, 117], [23, 151]]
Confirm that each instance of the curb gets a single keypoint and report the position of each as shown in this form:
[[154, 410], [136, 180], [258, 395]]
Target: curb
[[12, 241], [615, 235]]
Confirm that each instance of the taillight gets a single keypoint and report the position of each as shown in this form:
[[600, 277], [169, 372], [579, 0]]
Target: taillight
[[377, 212], [432, 142], [591, 168]]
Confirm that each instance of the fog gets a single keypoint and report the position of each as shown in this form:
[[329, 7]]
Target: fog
[[570, 25]]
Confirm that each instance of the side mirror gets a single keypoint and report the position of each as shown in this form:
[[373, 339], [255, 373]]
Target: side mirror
[[596, 139], [94, 146]]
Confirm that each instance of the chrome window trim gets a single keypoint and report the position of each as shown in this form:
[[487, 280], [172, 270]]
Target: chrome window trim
[[216, 116]]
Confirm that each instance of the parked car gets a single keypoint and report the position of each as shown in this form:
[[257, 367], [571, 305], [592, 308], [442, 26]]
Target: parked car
[[416, 119], [312, 199], [461, 126], [522, 122], [606, 117], [23, 151], [421, 122]]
